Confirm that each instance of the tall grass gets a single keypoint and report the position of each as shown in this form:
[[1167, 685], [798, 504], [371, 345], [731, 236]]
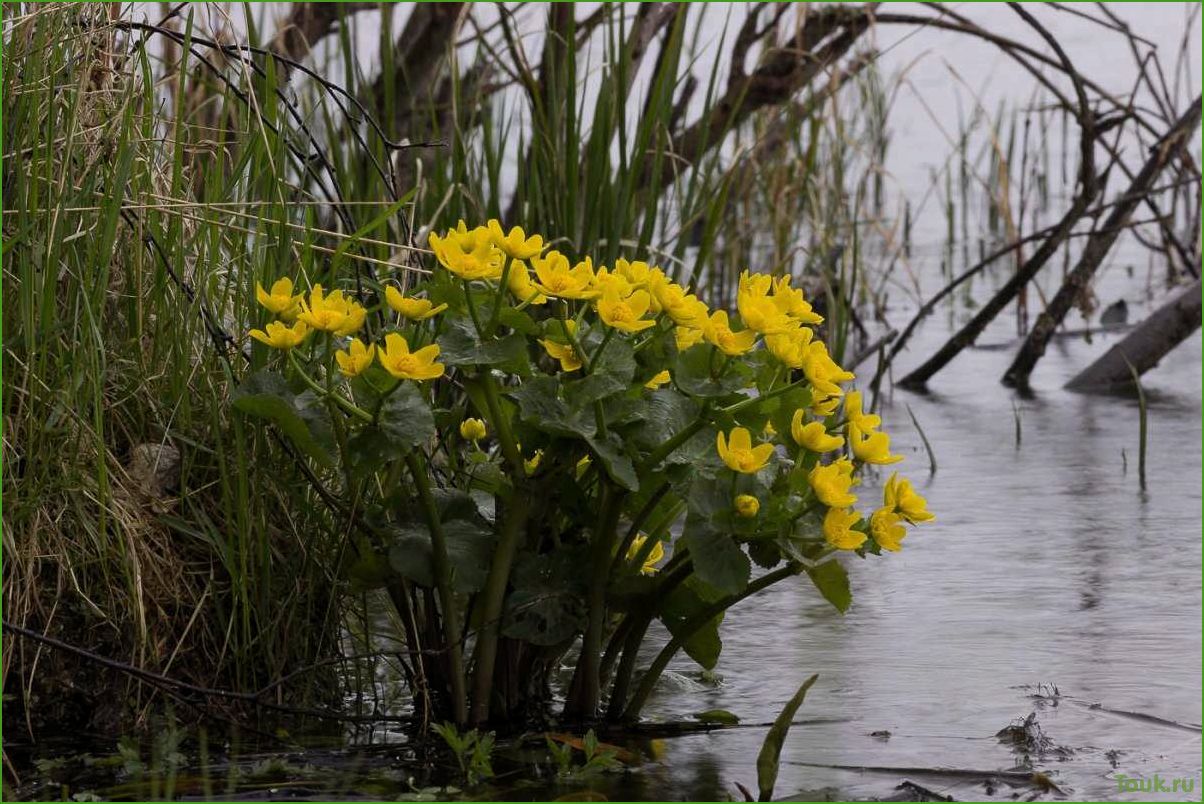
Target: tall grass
[[124, 260]]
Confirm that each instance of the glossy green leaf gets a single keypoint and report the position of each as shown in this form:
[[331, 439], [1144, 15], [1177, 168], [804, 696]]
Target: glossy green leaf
[[406, 419], [683, 603], [518, 321], [718, 560], [469, 549], [266, 395], [618, 466], [832, 582], [540, 406], [459, 346], [693, 369], [547, 604]]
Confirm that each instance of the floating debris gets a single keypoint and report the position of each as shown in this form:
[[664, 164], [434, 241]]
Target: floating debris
[[910, 791]]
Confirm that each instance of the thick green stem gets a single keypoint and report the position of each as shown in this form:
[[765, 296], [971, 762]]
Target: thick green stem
[[610, 333], [636, 626], [443, 583], [472, 309], [501, 296], [588, 692], [338, 399], [636, 522], [623, 676], [484, 387], [692, 625], [680, 437], [493, 597], [732, 410]]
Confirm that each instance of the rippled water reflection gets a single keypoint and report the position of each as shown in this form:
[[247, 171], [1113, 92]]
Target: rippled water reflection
[[1047, 565]]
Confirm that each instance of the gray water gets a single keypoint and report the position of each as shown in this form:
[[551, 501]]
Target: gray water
[[1048, 567]]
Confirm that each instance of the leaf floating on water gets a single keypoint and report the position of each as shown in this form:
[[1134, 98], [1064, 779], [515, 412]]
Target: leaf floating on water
[[719, 716], [621, 754]]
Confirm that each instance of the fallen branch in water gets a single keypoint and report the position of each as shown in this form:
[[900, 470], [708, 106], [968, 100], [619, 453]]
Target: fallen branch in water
[[1015, 777], [1145, 345], [1088, 187], [1177, 137]]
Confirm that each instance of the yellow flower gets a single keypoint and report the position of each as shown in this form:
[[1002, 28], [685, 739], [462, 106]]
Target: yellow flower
[[747, 505], [871, 446], [280, 300], [414, 309], [626, 314], [655, 283], [281, 336], [838, 532], [685, 337], [824, 404], [886, 529], [518, 281], [686, 309], [852, 412], [334, 313], [812, 435], [719, 334], [655, 554], [899, 496], [516, 244], [636, 273], [790, 348], [832, 482], [791, 302], [357, 357], [821, 370], [472, 429], [769, 429], [469, 254], [658, 379], [532, 463], [757, 311], [403, 364], [605, 280], [569, 361], [565, 353], [740, 455], [555, 278]]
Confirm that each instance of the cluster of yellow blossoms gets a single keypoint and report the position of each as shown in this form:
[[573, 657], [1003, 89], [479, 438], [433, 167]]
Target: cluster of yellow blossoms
[[339, 315], [632, 297]]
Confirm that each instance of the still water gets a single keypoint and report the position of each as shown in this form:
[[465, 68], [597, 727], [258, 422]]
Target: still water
[[1047, 567]]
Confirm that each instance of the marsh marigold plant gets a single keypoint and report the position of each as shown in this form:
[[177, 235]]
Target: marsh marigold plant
[[536, 456]]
